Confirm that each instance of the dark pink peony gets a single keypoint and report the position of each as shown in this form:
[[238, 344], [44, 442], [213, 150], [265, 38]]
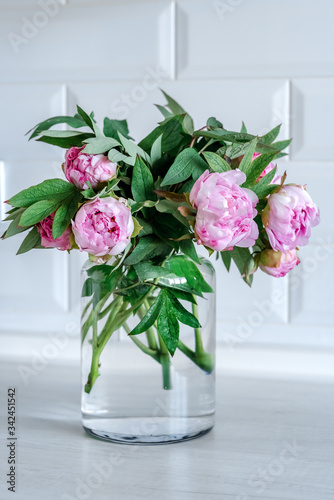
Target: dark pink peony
[[64, 242], [79, 168]]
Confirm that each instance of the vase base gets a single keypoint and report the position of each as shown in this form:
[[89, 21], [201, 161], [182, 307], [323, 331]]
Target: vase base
[[159, 435]]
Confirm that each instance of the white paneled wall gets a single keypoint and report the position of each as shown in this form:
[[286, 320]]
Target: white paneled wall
[[260, 61]]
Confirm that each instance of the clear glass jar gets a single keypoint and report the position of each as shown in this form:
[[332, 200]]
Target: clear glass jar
[[142, 394]]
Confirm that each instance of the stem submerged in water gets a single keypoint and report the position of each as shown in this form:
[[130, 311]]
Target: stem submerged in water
[[118, 315], [165, 363]]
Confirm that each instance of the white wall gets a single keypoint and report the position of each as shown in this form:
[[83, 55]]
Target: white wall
[[260, 61]]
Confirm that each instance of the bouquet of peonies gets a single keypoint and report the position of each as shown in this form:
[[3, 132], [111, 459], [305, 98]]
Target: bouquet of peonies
[[146, 207]]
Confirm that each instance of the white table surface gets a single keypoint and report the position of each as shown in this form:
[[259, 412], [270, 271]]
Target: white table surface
[[273, 439]]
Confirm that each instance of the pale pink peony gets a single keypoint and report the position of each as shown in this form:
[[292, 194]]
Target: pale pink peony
[[103, 226], [79, 168], [277, 178], [64, 242], [289, 216], [225, 211], [278, 264]]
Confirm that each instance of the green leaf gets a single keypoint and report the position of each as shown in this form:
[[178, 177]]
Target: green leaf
[[181, 312], [256, 167], [72, 121], [12, 214], [148, 272], [175, 108], [89, 193], [216, 162], [236, 150], [146, 226], [61, 134], [150, 317], [164, 111], [246, 162], [184, 166], [263, 188], [280, 145], [65, 214], [112, 127], [172, 134], [86, 118], [156, 151], [147, 246], [57, 189], [250, 268], [275, 146], [240, 257], [171, 138], [214, 123], [188, 248], [116, 156], [14, 227], [167, 206], [224, 135], [226, 258], [142, 182], [188, 125], [186, 269], [104, 279], [135, 207], [32, 239], [87, 289], [64, 138], [270, 136], [132, 149], [243, 129], [180, 294], [38, 211], [170, 229], [168, 326], [187, 186], [137, 228], [98, 145]]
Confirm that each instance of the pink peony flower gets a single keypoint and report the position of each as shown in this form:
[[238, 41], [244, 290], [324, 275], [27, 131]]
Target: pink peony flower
[[64, 242], [103, 226], [225, 211], [289, 216], [278, 264], [80, 168], [277, 178]]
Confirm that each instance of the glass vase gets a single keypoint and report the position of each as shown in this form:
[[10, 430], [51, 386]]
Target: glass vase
[[133, 390]]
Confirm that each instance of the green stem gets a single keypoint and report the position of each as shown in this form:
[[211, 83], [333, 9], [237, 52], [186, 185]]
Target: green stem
[[100, 341], [87, 306], [111, 324], [117, 316], [94, 340], [94, 371], [89, 321], [106, 310], [211, 141], [199, 349], [150, 334], [165, 363], [205, 361], [153, 353]]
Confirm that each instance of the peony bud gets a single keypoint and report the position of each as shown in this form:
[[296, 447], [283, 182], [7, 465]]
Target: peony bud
[[278, 264]]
